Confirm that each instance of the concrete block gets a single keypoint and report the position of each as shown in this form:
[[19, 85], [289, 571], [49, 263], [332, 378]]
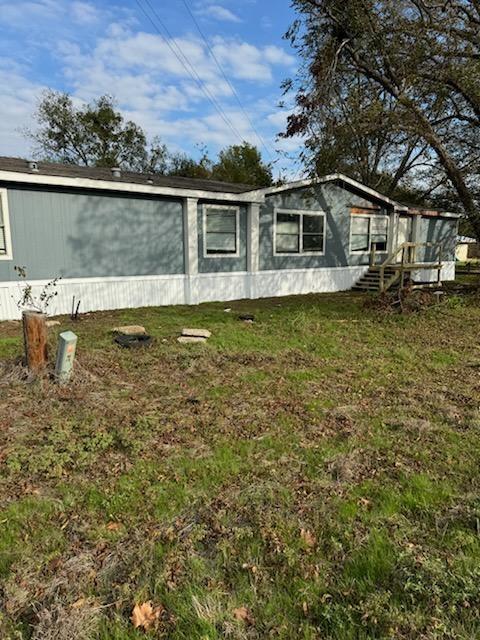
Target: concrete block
[[196, 333]]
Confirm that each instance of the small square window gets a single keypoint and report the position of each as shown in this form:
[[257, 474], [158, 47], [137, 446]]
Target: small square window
[[221, 231], [299, 232], [367, 232]]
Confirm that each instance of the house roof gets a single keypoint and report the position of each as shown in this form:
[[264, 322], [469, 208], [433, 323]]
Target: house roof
[[368, 191], [19, 170], [20, 165], [335, 177]]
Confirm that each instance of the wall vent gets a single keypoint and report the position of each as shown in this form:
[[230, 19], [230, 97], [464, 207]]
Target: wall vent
[[33, 166], [116, 172]]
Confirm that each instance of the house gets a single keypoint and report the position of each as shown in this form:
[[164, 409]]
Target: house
[[467, 249], [119, 239]]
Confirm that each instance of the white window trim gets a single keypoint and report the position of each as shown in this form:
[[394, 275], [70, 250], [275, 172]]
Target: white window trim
[[6, 224], [220, 207], [368, 215], [301, 212]]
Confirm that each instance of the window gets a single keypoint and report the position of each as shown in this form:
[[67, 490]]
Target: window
[[299, 232], [221, 230], [367, 231], [5, 243]]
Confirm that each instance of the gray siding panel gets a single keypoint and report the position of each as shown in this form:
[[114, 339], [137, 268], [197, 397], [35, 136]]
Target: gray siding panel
[[443, 230], [335, 202], [81, 235], [223, 264]]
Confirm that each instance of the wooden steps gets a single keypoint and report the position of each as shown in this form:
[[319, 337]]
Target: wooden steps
[[370, 281]]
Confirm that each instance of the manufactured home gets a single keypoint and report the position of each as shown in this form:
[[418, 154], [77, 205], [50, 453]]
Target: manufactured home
[[117, 239]]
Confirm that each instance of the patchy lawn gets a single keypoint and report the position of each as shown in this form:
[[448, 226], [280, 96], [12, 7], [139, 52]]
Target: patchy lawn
[[312, 475]]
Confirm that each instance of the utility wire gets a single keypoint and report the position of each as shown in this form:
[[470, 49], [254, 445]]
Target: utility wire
[[181, 57], [232, 88]]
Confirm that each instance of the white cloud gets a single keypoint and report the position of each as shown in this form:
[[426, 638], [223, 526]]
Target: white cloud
[[276, 55], [278, 119], [218, 12], [17, 105], [93, 56], [248, 62], [84, 13]]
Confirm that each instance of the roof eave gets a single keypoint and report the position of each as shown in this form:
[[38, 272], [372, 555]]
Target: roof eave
[[127, 187], [334, 177]]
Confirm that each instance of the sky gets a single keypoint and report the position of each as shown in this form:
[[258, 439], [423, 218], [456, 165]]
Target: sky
[[164, 74]]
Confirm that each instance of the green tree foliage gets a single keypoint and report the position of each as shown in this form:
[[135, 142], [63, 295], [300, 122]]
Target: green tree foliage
[[180, 164], [95, 134], [242, 163], [405, 69]]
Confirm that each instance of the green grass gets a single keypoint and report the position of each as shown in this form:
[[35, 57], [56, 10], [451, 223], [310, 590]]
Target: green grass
[[318, 467]]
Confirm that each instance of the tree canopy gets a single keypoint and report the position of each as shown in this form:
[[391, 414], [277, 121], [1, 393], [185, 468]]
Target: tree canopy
[[392, 87], [97, 134], [94, 134], [242, 163]]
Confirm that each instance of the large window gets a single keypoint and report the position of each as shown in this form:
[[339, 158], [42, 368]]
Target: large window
[[367, 231], [5, 243], [299, 232], [221, 230]]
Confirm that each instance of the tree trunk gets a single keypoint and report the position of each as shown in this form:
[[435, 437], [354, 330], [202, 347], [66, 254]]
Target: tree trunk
[[35, 339]]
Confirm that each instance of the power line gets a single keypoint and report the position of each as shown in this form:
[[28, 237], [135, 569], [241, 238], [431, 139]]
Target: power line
[[181, 57], [232, 88]]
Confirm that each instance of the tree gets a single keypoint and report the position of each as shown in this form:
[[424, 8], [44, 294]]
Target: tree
[[242, 163], [421, 57], [180, 164], [95, 134], [357, 135]]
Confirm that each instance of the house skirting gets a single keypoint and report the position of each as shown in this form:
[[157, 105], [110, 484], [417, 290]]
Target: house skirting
[[101, 294], [431, 275]]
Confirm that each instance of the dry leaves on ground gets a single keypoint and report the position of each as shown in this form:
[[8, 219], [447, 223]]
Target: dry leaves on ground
[[145, 615], [243, 614], [308, 538]]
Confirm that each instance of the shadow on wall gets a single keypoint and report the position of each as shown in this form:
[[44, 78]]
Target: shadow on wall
[[439, 230], [335, 202], [122, 236]]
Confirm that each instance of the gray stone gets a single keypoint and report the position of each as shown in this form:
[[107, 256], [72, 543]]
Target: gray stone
[[52, 323], [196, 333], [130, 330], [187, 339]]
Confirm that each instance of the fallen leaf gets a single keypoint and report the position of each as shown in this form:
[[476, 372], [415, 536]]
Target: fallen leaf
[[78, 604], [145, 615], [114, 526], [308, 538], [243, 614]]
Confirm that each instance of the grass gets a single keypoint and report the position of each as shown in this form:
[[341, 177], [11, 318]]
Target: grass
[[318, 467]]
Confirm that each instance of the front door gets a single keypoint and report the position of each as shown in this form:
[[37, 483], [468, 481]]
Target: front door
[[404, 232]]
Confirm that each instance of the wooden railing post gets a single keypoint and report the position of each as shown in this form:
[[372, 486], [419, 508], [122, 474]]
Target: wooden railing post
[[440, 256], [35, 339]]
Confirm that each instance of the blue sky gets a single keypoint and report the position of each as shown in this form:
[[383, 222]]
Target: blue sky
[[92, 47]]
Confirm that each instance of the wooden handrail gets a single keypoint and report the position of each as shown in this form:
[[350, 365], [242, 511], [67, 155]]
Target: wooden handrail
[[409, 249]]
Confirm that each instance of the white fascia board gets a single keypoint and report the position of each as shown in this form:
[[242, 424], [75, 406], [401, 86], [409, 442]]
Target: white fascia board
[[334, 177], [449, 214], [128, 187]]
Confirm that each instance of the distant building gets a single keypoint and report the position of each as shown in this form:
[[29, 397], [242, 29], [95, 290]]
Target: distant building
[[467, 249]]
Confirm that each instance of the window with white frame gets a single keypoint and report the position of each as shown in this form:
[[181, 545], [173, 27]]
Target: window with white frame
[[299, 232], [367, 231], [4, 226], [221, 230]]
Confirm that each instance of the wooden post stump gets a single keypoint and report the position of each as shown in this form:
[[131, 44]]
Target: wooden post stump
[[35, 340]]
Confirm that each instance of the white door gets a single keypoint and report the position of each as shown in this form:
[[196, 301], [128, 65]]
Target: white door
[[404, 232]]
